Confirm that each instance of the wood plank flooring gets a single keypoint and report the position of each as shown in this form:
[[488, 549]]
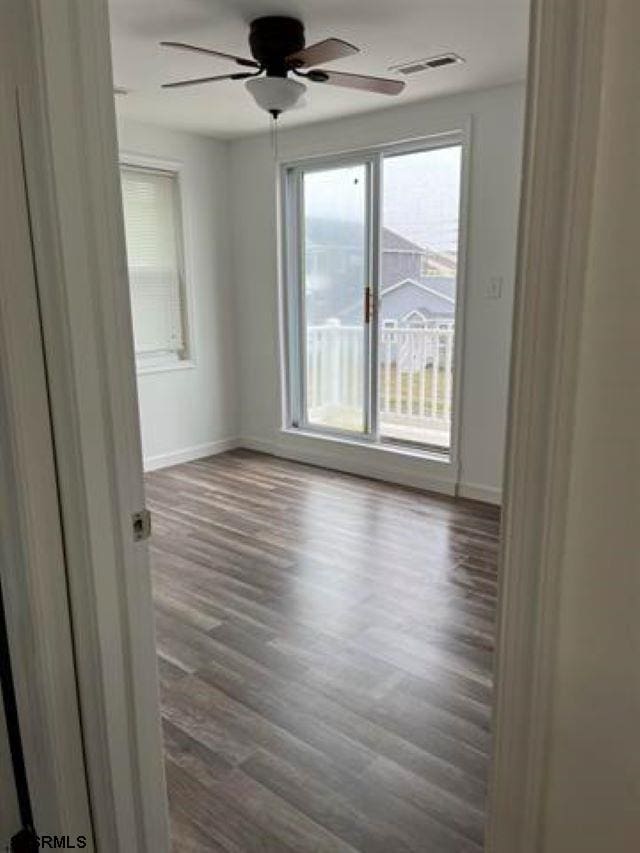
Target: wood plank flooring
[[325, 655]]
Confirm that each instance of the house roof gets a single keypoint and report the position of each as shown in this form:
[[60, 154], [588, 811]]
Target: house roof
[[442, 284], [442, 261], [434, 296], [332, 232], [392, 241], [442, 288]]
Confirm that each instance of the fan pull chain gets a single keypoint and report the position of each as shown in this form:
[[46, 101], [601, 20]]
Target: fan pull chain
[[274, 136]]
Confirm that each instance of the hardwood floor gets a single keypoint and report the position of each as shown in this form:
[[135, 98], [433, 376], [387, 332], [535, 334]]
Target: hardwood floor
[[325, 651]]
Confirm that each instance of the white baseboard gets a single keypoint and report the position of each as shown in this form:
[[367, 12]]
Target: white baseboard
[[474, 492], [385, 468], [188, 454], [324, 456]]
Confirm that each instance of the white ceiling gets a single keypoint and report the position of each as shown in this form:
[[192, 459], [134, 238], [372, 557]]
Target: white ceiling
[[490, 34]]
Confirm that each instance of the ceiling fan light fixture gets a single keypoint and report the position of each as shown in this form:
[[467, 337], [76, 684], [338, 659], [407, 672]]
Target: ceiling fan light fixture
[[277, 45], [275, 94]]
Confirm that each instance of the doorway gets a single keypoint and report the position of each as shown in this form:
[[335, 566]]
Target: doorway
[[512, 787], [324, 641]]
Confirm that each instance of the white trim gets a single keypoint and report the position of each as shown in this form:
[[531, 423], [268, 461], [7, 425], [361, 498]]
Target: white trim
[[428, 482], [33, 569], [414, 451], [140, 160], [478, 492], [89, 344], [391, 464], [447, 133], [189, 454], [289, 213], [143, 369], [293, 218], [562, 124], [325, 456], [462, 290]]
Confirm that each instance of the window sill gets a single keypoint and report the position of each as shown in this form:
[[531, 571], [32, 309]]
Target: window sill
[[147, 369], [406, 451]]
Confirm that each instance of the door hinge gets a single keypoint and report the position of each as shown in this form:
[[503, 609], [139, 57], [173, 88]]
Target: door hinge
[[141, 522]]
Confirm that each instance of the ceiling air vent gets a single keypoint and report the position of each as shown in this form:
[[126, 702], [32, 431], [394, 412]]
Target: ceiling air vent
[[418, 65]]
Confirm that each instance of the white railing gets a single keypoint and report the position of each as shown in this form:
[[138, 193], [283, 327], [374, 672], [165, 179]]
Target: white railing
[[414, 380], [335, 366]]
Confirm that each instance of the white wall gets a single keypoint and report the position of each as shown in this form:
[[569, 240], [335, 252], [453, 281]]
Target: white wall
[[593, 786], [232, 240], [191, 412], [496, 116]]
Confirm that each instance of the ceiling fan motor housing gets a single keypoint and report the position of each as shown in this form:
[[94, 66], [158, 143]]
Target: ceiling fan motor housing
[[272, 39]]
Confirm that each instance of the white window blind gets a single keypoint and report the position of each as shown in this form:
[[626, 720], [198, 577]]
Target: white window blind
[[154, 254]]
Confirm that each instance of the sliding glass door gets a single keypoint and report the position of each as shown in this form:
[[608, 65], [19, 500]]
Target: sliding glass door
[[371, 286], [417, 295], [335, 244]]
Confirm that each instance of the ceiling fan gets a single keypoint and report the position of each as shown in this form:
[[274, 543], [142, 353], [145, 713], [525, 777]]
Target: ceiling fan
[[277, 45]]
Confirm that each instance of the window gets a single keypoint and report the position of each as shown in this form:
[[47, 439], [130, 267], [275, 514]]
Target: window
[[334, 339], [371, 275], [151, 204], [415, 320]]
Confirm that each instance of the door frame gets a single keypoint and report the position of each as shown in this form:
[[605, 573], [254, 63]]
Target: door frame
[[292, 177], [32, 553], [291, 308], [65, 93], [86, 320], [561, 132]]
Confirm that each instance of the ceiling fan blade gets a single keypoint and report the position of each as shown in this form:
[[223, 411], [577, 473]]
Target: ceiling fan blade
[[197, 80], [381, 85], [179, 45], [321, 52]]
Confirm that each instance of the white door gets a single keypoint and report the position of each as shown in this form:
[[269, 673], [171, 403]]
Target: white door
[[68, 406], [32, 555]]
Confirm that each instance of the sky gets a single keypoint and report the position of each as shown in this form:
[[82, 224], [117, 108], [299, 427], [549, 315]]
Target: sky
[[420, 195]]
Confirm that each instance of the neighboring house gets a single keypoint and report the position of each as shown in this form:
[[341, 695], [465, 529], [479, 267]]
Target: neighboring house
[[413, 303], [417, 283]]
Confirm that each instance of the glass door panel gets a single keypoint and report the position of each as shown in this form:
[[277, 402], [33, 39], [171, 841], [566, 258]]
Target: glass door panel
[[417, 295], [335, 268]]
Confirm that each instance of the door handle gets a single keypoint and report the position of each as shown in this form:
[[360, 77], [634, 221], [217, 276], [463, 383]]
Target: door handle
[[368, 300]]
